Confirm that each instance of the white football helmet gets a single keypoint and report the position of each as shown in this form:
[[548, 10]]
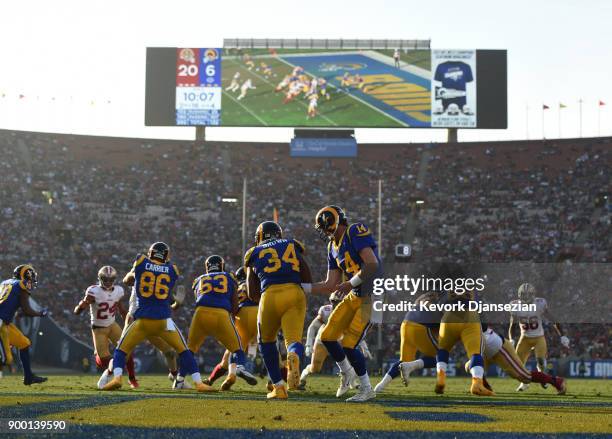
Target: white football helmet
[[526, 292], [107, 276]]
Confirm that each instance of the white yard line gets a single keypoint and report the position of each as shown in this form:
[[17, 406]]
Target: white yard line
[[360, 100], [418, 71], [245, 107]]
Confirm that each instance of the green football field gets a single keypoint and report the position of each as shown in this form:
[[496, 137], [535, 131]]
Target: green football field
[[264, 107], [155, 411]]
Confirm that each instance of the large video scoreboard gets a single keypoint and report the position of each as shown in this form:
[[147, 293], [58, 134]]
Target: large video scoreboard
[[383, 88]]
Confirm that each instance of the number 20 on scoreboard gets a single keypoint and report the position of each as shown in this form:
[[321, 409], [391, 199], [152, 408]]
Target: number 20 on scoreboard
[[198, 67]]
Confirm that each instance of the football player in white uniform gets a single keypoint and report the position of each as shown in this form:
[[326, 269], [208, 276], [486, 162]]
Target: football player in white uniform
[[104, 300], [312, 105], [316, 350], [501, 352], [532, 330], [245, 87], [234, 85]]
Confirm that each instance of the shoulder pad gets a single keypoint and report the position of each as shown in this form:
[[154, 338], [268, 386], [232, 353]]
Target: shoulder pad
[[247, 256], [300, 245], [139, 260], [359, 229]]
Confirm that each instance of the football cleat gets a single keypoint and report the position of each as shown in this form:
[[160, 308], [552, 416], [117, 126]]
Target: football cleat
[[346, 380], [293, 370], [201, 387], [440, 382], [133, 383], [302, 385], [522, 387], [34, 379], [278, 392], [364, 394], [381, 386], [486, 384], [246, 375], [560, 385], [270, 386], [180, 383], [228, 383], [479, 389], [113, 384], [405, 371], [104, 379]]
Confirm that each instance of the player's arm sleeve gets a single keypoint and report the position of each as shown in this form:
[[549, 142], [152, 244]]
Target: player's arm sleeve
[[313, 328]]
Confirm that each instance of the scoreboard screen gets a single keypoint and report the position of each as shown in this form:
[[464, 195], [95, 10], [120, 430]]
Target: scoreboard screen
[[322, 88], [198, 87]]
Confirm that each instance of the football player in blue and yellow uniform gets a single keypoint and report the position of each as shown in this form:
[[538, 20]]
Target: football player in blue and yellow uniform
[[216, 303], [15, 294], [352, 253], [458, 325], [419, 332], [152, 278], [246, 325], [276, 268]]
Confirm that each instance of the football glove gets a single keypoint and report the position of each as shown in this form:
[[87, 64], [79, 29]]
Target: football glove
[[179, 296], [308, 350], [565, 341], [44, 312]]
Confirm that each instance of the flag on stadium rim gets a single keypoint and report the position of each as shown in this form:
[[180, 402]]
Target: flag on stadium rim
[[545, 107], [562, 105], [602, 103]]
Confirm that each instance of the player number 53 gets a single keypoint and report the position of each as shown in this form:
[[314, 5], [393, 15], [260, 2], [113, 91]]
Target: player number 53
[[151, 284]]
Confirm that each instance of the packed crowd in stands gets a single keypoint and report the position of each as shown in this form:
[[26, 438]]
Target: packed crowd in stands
[[70, 204]]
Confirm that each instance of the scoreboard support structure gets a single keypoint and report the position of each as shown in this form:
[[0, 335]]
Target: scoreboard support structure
[[200, 134]]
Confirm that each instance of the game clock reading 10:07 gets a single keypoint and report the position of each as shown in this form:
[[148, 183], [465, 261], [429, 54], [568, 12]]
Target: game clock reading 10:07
[[198, 87]]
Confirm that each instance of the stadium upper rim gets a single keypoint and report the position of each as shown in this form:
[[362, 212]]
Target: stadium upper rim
[[320, 43]]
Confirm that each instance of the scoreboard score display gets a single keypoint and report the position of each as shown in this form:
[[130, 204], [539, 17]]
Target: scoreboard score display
[[375, 88], [198, 87]]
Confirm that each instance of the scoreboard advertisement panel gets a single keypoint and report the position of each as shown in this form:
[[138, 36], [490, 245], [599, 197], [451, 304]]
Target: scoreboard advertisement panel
[[325, 88]]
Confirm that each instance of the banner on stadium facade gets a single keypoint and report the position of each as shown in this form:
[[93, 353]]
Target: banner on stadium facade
[[306, 147], [591, 369]]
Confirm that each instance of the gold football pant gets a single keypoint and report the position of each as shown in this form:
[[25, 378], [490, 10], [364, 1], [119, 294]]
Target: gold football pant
[[350, 319], [141, 329], [416, 337], [470, 335], [103, 336], [282, 306], [526, 344], [10, 335], [216, 322]]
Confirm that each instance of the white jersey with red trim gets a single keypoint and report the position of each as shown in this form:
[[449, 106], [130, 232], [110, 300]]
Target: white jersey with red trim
[[102, 311], [531, 321], [324, 313], [493, 343]]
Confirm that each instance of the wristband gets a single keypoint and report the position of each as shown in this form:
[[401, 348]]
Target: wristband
[[355, 281], [307, 288]]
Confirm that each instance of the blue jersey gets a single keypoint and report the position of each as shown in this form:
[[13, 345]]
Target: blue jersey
[[153, 283], [276, 261], [215, 290], [243, 298], [454, 75], [345, 255], [10, 290]]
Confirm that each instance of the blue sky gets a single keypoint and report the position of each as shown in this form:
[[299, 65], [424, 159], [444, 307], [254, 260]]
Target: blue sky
[[79, 53]]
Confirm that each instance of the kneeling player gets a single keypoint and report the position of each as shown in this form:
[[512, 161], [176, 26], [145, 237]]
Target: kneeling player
[[15, 293], [276, 267], [103, 300], [419, 332], [153, 278], [216, 303]]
